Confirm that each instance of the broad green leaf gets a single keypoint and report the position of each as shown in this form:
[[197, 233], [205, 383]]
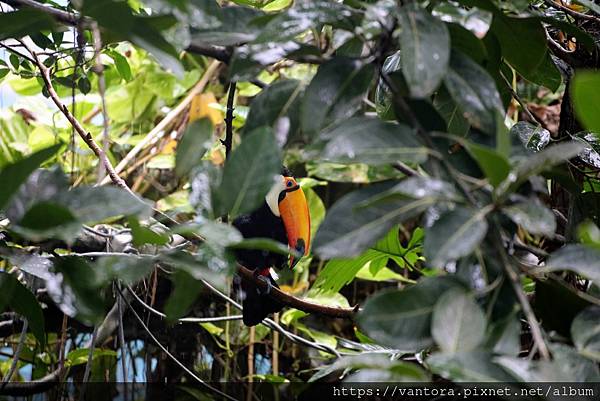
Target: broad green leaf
[[454, 235], [20, 300], [580, 259], [196, 140], [504, 336], [451, 112], [339, 272], [402, 318], [532, 137], [278, 103], [183, 295], [129, 269], [585, 331], [81, 356], [25, 21], [12, 176], [226, 26], [476, 20], [586, 99], [474, 366], [582, 368], [48, 220], [475, 92], [334, 94], [121, 64], [493, 164], [425, 44], [458, 324], [541, 161], [383, 93], [249, 173], [528, 371], [145, 235], [94, 204], [533, 216], [76, 289], [372, 141], [347, 230]]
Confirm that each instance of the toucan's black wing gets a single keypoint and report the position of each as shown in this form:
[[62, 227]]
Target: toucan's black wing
[[262, 223]]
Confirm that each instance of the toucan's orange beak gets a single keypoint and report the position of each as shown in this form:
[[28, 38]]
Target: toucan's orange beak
[[296, 218]]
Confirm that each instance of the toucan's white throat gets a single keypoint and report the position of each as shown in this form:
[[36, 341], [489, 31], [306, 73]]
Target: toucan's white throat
[[272, 197]]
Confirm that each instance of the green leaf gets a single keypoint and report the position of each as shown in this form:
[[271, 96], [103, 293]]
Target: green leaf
[[347, 230], [94, 204], [535, 370], [580, 259], [48, 220], [13, 175], [533, 216], [22, 22], [475, 92], [145, 235], [196, 140], [249, 173], [425, 45], [183, 296], [585, 331], [80, 356], [386, 143], [586, 99], [122, 65], [334, 94], [582, 368], [76, 290], [17, 297], [542, 161], [494, 165], [454, 235], [84, 85], [458, 324], [474, 366], [451, 112], [504, 336], [278, 103], [129, 269], [476, 20], [534, 138], [402, 318]]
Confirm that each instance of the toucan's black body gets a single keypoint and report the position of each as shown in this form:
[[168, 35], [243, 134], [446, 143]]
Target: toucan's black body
[[262, 223]]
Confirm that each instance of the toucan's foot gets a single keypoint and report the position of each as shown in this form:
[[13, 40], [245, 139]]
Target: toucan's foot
[[266, 280]]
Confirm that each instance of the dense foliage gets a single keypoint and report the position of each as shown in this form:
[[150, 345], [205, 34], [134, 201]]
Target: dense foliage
[[449, 154]]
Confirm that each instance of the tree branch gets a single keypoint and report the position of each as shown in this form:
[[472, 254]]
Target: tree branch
[[16, 356], [228, 142], [33, 386], [572, 13], [86, 136], [294, 302]]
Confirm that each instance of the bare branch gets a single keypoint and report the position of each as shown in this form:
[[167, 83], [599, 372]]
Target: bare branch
[[228, 141], [17, 354], [294, 302]]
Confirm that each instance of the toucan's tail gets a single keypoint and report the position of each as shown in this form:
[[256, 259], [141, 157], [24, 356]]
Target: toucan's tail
[[257, 305]]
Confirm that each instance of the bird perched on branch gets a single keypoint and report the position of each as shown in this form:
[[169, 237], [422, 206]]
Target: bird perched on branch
[[283, 217]]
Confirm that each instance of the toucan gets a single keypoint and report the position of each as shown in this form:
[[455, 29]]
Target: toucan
[[283, 217]]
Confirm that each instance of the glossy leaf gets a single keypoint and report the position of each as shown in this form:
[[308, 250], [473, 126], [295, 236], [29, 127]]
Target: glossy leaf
[[371, 141], [458, 324], [468, 367], [494, 165], [249, 173], [196, 140], [425, 46], [455, 234], [533, 216], [474, 90], [334, 94], [585, 332], [580, 259], [533, 137], [402, 318]]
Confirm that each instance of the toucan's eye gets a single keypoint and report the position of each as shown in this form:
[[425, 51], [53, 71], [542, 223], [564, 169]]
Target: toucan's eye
[[289, 184]]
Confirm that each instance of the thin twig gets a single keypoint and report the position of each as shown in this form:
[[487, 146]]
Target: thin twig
[[122, 338], [536, 331], [228, 141], [17, 354], [159, 345], [88, 365], [160, 129], [99, 69], [516, 96], [86, 136]]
